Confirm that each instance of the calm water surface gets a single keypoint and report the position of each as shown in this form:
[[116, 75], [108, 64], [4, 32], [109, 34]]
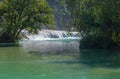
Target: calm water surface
[[59, 59]]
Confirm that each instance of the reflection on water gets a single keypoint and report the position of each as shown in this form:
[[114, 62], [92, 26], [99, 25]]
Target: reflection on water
[[100, 58], [57, 60], [52, 47]]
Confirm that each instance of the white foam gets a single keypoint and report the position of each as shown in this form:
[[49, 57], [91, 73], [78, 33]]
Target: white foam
[[51, 35]]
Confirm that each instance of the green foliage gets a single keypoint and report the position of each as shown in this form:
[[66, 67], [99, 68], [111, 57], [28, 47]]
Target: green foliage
[[17, 15], [96, 16], [97, 42]]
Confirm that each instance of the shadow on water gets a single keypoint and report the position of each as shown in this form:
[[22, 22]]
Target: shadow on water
[[64, 49], [100, 58], [9, 45], [91, 58]]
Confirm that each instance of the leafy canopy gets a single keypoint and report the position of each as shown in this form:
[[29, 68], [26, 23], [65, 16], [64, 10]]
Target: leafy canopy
[[96, 17], [17, 15]]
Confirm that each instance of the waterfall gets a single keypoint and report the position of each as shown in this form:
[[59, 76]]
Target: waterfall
[[51, 34]]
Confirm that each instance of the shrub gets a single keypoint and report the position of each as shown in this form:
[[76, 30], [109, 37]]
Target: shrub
[[96, 42]]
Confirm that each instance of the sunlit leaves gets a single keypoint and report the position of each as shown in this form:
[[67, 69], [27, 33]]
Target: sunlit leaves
[[24, 14]]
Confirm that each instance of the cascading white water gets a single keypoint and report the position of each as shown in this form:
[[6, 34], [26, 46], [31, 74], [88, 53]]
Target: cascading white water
[[52, 35]]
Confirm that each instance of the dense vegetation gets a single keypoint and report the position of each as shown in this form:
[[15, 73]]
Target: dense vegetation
[[18, 15], [98, 21]]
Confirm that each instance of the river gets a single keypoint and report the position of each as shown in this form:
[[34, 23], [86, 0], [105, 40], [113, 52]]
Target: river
[[58, 59]]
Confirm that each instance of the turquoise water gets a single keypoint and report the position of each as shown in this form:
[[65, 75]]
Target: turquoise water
[[59, 59]]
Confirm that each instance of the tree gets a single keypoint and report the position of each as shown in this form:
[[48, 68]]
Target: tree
[[18, 15], [100, 18]]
